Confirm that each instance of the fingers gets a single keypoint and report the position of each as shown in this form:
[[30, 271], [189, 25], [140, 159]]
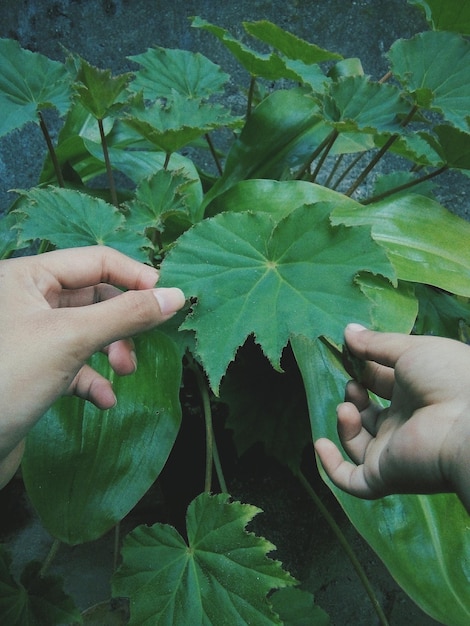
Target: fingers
[[345, 475], [91, 386], [83, 267]]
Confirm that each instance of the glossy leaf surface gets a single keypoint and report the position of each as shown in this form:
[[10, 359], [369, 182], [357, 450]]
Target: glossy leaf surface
[[451, 15], [84, 469], [222, 570], [301, 269], [415, 536], [29, 82]]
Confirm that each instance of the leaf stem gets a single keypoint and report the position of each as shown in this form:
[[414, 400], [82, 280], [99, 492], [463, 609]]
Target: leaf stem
[[332, 138], [214, 153], [407, 185], [206, 405], [318, 150], [251, 91], [51, 149], [167, 160], [353, 163], [49, 558], [109, 170], [345, 545]]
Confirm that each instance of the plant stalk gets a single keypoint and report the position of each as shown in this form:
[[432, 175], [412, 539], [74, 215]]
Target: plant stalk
[[332, 138], [109, 171], [346, 547], [206, 405], [51, 149], [251, 91], [49, 558], [318, 150], [214, 153], [408, 185]]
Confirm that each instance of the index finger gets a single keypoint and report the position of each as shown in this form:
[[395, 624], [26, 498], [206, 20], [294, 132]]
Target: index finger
[[76, 268]]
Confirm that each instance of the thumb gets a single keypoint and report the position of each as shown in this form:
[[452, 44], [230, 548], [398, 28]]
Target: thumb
[[369, 345], [124, 315]]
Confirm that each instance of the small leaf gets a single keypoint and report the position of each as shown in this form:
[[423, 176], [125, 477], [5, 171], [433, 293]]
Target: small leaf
[[301, 270], [435, 68], [70, 218], [84, 468], [297, 608], [99, 91], [8, 235], [178, 123], [35, 600], [165, 71], [29, 82], [453, 146], [290, 45], [356, 103], [222, 575], [453, 15]]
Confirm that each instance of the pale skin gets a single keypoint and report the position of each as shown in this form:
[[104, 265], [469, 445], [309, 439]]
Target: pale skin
[[57, 309], [420, 444]]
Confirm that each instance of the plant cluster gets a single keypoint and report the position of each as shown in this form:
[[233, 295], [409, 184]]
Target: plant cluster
[[287, 239]]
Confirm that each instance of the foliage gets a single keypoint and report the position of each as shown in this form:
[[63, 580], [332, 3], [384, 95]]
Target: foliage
[[277, 246]]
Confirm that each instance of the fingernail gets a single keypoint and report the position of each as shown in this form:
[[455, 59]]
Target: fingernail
[[170, 299], [355, 328], [134, 359]]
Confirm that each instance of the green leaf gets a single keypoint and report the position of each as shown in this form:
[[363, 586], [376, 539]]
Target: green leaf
[[356, 103], [165, 71], [425, 242], [29, 82], [84, 469], [453, 15], [69, 218], [435, 68], [415, 536], [388, 182], [222, 575], [265, 404], [301, 270], [8, 235], [453, 146], [179, 122], [35, 600], [441, 314], [290, 45], [297, 608], [99, 90]]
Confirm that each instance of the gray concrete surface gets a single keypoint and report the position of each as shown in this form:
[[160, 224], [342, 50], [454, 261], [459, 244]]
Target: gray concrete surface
[[105, 32]]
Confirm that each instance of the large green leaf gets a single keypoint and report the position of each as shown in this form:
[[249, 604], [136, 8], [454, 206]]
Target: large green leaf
[[221, 576], [451, 15], [417, 537], [69, 218], [36, 599], [84, 469], [435, 68], [301, 270], [165, 71], [453, 146], [29, 82], [425, 242]]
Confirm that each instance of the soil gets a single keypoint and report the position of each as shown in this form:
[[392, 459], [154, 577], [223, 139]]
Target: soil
[[105, 32]]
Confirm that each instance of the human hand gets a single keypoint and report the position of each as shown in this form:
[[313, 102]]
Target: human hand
[[420, 443], [57, 309]]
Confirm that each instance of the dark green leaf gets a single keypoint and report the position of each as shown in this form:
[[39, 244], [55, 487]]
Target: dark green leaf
[[441, 314], [29, 82], [36, 600], [451, 15], [8, 235], [388, 182], [69, 218], [165, 71], [84, 469], [301, 270], [290, 45], [297, 608], [415, 536], [435, 68], [453, 146], [221, 576]]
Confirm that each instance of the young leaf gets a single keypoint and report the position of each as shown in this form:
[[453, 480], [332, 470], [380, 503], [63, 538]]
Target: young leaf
[[356, 103], [35, 600], [222, 575], [297, 608], [301, 270], [69, 218], [29, 82], [84, 468], [435, 68], [178, 123], [290, 45], [165, 71], [451, 15], [99, 91]]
